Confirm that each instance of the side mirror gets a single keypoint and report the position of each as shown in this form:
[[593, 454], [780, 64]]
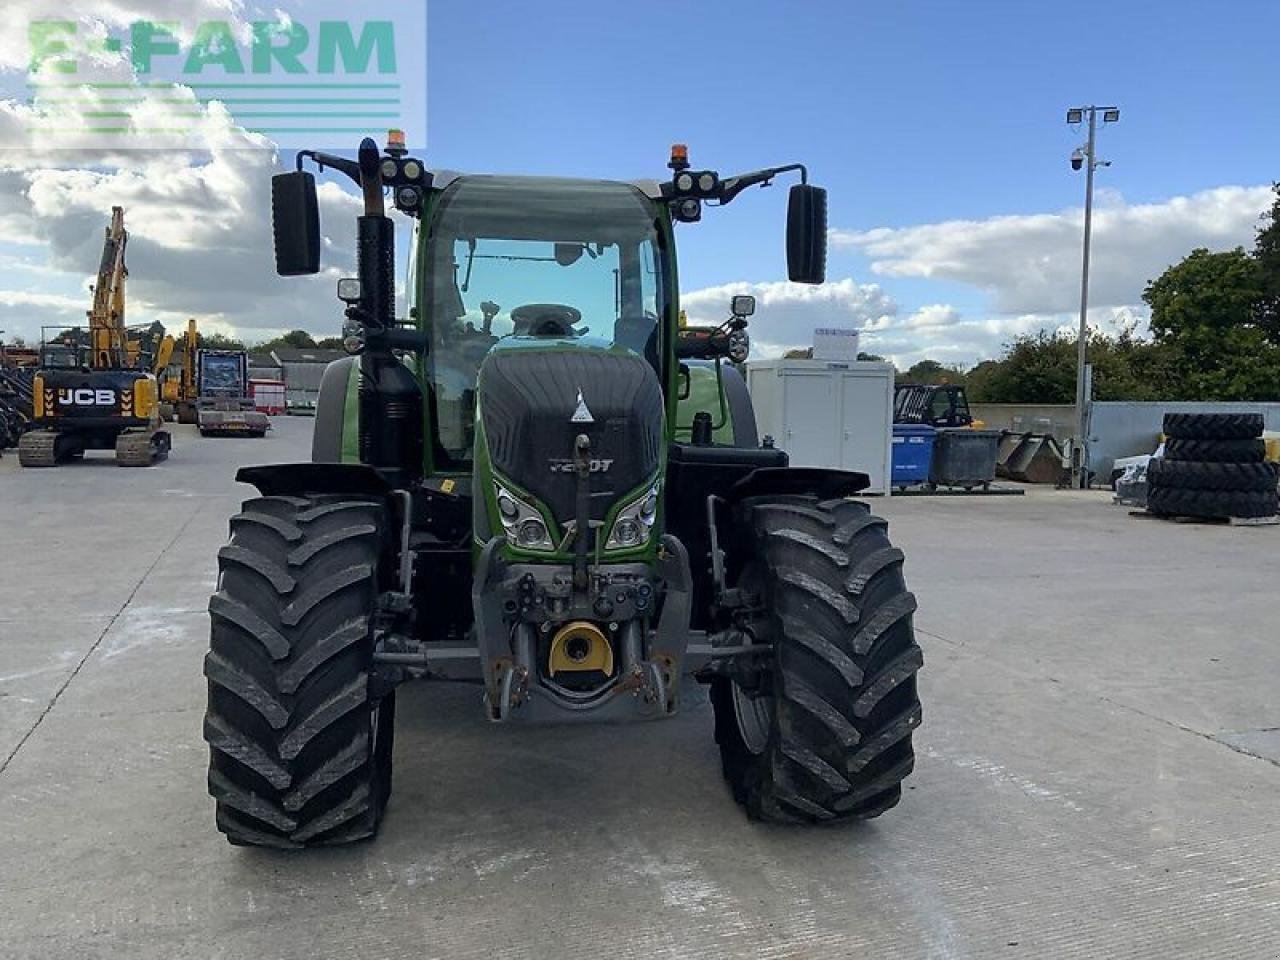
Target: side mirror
[[295, 223], [807, 234], [743, 305]]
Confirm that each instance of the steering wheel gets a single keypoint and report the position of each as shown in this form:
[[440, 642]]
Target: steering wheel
[[545, 320]]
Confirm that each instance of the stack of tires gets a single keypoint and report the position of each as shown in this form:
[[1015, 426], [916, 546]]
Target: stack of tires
[[1214, 466]]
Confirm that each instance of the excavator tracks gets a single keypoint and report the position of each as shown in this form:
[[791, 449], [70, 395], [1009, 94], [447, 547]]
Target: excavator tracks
[[38, 448], [136, 449]]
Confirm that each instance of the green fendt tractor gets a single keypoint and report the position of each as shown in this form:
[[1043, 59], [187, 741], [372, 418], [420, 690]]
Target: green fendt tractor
[[500, 490]]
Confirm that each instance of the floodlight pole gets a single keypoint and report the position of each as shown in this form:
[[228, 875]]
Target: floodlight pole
[[1079, 445]]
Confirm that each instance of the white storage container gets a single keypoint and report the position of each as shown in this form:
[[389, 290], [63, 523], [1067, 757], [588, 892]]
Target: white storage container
[[826, 414]]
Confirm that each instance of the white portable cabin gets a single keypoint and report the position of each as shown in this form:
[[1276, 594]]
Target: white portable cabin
[[827, 413]]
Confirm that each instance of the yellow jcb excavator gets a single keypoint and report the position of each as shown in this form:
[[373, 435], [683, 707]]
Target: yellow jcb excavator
[[184, 388], [167, 384], [102, 401]]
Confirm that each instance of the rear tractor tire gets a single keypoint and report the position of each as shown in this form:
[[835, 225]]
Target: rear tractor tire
[[300, 741], [1213, 426], [1215, 451], [1210, 476], [823, 730]]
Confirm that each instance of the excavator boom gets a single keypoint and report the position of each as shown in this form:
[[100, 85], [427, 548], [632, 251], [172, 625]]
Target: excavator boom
[[108, 338]]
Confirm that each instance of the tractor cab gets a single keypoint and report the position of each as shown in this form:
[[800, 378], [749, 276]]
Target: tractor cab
[[531, 266]]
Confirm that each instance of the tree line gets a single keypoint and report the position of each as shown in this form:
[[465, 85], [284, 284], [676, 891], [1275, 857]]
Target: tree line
[[295, 339]]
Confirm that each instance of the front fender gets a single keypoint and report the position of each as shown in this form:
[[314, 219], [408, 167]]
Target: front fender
[[820, 482], [335, 433], [296, 479]]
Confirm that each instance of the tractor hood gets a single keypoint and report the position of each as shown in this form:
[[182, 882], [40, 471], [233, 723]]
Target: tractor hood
[[537, 395]]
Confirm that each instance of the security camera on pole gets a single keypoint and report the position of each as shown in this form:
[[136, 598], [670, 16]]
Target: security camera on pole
[[1084, 156]]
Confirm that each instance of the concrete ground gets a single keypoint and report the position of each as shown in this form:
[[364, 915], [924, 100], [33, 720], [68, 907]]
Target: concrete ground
[[1098, 772]]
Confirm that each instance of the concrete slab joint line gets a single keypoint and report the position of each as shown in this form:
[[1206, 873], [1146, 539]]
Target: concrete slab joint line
[[1229, 744], [53, 701]]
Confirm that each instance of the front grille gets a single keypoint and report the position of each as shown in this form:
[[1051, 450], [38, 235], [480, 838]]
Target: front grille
[[527, 399]]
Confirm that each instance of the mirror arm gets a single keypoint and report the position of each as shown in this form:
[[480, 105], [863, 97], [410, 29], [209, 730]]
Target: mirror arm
[[732, 186], [322, 160]]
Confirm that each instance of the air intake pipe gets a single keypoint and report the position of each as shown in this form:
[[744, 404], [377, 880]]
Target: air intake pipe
[[390, 399]]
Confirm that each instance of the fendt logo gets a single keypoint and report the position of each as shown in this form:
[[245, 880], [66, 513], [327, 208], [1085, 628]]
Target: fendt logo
[[85, 397], [566, 466]]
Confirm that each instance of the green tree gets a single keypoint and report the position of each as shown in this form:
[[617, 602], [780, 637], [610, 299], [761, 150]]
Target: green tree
[[1042, 369], [931, 371], [1205, 292], [294, 339], [977, 382], [1267, 253], [1034, 369], [329, 343], [1208, 311], [214, 341]]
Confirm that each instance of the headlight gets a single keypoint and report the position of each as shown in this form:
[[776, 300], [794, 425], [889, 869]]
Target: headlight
[[522, 522], [532, 533], [634, 522]]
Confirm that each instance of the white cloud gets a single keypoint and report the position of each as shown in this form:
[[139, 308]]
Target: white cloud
[[48, 301], [786, 313], [1031, 263], [198, 221], [199, 239]]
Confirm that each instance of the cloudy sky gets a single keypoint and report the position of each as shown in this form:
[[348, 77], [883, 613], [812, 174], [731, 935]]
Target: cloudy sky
[[937, 127]]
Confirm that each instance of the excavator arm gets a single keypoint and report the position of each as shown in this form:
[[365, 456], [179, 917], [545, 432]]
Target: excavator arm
[[108, 337], [190, 345]]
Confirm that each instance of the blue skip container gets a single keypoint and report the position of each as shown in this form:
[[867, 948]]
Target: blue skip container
[[912, 453]]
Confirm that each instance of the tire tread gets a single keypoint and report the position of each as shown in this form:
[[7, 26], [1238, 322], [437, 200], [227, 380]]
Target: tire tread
[[291, 713], [845, 661]]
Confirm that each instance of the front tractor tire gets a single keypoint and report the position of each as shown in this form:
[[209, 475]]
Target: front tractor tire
[[822, 729], [300, 742]]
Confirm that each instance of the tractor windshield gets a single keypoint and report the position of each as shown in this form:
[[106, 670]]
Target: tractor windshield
[[538, 259]]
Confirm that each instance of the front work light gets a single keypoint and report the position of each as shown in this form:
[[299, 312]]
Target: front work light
[[349, 290]]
